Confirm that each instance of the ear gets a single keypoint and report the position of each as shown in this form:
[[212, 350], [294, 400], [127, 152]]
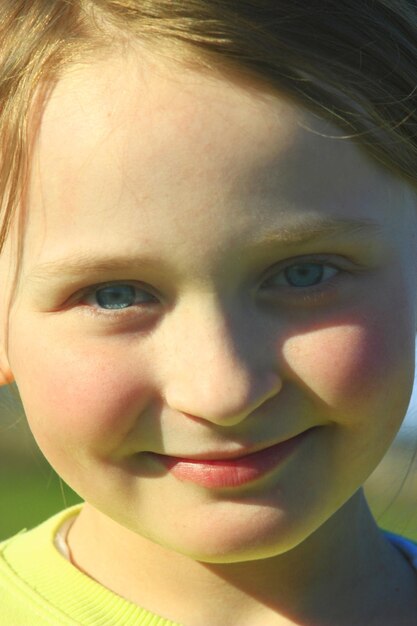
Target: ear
[[6, 375]]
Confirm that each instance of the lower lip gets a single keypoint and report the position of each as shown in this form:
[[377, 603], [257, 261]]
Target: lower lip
[[232, 472]]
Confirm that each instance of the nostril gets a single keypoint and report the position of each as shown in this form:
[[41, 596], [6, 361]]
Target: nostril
[[226, 403]]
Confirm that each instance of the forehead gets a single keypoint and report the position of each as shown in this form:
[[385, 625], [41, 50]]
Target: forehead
[[143, 148]]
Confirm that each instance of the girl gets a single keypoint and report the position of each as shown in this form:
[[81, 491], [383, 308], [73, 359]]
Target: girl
[[209, 305]]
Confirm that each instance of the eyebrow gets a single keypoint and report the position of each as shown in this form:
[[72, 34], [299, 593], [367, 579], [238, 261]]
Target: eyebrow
[[318, 230]]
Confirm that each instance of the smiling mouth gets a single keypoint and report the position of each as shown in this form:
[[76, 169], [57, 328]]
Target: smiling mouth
[[231, 472]]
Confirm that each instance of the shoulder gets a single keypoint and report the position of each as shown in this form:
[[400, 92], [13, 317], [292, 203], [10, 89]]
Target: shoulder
[[26, 559]]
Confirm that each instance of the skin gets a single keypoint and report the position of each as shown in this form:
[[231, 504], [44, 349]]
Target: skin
[[148, 160]]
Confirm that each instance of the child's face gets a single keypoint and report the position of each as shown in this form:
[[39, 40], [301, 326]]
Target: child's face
[[195, 199]]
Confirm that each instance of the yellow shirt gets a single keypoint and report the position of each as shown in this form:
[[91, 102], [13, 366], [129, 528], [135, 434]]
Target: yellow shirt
[[39, 586]]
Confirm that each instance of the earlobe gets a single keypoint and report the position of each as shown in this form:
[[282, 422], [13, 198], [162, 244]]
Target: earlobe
[[6, 378], [6, 375]]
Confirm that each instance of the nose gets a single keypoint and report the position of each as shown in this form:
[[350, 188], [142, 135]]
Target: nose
[[219, 368]]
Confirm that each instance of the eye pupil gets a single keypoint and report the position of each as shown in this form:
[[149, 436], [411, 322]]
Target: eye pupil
[[304, 275], [116, 297]]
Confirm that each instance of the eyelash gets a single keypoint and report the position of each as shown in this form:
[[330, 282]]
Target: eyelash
[[307, 294]]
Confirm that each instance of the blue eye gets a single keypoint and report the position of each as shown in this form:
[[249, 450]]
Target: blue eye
[[114, 297], [303, 275]]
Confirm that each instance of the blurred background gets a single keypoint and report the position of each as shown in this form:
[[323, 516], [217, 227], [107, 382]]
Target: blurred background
[[30, 490]]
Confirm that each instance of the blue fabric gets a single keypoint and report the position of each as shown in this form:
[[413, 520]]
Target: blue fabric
[[406, 546]]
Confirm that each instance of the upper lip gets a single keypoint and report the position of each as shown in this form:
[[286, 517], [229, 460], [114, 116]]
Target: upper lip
[[230, 455]]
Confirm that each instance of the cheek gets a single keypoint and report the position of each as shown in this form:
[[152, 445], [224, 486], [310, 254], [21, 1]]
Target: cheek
[[81, 400], [355, 365]]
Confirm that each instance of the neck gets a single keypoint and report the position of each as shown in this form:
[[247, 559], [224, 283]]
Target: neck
[[346, 560]]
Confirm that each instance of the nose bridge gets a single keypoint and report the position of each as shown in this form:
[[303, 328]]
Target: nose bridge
[[219, 370]]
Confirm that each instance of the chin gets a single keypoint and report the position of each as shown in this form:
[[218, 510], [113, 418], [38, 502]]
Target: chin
[[238, 541]]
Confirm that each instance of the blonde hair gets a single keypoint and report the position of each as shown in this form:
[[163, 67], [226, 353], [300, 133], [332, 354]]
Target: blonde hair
[[352, 62]]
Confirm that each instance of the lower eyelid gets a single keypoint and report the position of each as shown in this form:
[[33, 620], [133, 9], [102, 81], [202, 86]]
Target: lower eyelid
[[125, 318]]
